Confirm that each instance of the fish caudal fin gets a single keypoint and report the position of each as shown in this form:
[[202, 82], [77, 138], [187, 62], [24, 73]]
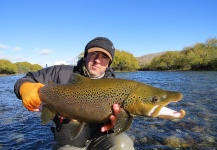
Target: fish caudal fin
[[123, 121], [46, 115], [75, 128]]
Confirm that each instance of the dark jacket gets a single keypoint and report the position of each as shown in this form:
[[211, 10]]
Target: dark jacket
[[56, 74]]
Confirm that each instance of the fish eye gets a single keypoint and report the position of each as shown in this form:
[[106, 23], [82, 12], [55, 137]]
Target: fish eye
[[155, 99]]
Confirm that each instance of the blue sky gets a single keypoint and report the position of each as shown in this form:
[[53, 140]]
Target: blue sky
[[48, 31]]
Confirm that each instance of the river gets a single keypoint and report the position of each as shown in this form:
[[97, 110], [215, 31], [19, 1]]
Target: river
[[21, 129]]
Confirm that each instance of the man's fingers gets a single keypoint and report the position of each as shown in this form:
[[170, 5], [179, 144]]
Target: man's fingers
[[116, 108], [106, 127], [33, 109], [113, 120]]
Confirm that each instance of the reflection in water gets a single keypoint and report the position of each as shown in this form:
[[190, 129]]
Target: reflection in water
[[21, 129]]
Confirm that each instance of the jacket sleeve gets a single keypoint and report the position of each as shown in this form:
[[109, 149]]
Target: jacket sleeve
[[55, 74]]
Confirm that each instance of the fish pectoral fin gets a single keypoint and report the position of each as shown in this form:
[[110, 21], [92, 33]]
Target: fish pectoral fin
[[75, 128], [123, 121], [46, 115]]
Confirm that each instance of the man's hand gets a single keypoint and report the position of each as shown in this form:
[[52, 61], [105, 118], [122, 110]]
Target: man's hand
[[107, 127], [29, 95]]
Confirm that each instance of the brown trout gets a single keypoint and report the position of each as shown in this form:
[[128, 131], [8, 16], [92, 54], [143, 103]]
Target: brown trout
[[90, 101]]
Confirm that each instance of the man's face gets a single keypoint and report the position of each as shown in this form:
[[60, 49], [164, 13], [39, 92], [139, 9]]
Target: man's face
[[96, 63]]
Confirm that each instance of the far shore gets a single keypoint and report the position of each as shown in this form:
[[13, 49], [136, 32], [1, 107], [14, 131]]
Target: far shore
[[2, 75]]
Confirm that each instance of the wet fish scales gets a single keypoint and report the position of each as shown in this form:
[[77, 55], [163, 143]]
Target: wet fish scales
[[90, 100], [78, 101]]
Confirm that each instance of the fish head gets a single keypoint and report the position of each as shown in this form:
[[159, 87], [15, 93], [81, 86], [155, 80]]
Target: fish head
[[150, 101]]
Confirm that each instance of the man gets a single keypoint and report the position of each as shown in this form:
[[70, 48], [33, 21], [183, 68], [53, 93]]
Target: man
[[98, 56]]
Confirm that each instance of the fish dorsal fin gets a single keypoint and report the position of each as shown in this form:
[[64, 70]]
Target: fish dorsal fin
[[75, 128], [123, 121], [46, 115], [76, 78]]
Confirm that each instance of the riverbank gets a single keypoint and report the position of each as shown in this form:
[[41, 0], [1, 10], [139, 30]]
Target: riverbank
[[3, 75]]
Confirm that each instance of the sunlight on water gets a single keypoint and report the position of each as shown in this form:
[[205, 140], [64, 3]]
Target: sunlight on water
[[21, 129]]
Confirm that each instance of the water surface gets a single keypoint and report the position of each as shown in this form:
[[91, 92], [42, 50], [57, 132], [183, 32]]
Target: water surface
[[21, 129]]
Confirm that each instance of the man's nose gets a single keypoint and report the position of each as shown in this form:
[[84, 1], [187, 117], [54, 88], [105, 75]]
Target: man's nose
[[97, 59]]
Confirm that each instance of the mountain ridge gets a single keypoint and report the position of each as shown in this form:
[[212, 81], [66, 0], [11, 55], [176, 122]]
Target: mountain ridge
[[145, 59]]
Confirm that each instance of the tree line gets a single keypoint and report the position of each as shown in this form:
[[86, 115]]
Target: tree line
[[201, 56], [7, 67], [123, 61]]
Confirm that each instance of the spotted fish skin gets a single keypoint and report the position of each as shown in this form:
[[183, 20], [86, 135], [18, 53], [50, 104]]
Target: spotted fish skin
[[90, 100]]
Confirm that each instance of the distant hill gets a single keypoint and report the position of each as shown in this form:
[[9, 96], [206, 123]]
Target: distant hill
[[148, 58]]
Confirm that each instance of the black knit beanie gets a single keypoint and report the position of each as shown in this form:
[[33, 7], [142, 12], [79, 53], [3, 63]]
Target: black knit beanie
[[100, 42]]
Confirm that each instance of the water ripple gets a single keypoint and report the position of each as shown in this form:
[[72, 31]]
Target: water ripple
[[21, 129]]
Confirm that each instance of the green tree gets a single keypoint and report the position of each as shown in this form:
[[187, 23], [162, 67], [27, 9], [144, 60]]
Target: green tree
[[24, 67], [124, 61], [213, 64], [36, 67], [7, 67], [212, 55], [170, 60], [200, 56]]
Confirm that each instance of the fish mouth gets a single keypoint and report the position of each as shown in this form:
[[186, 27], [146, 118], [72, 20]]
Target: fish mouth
[[166, 113]]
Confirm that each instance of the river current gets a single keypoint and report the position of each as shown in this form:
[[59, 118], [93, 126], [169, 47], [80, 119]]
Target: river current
[[21, 129]]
